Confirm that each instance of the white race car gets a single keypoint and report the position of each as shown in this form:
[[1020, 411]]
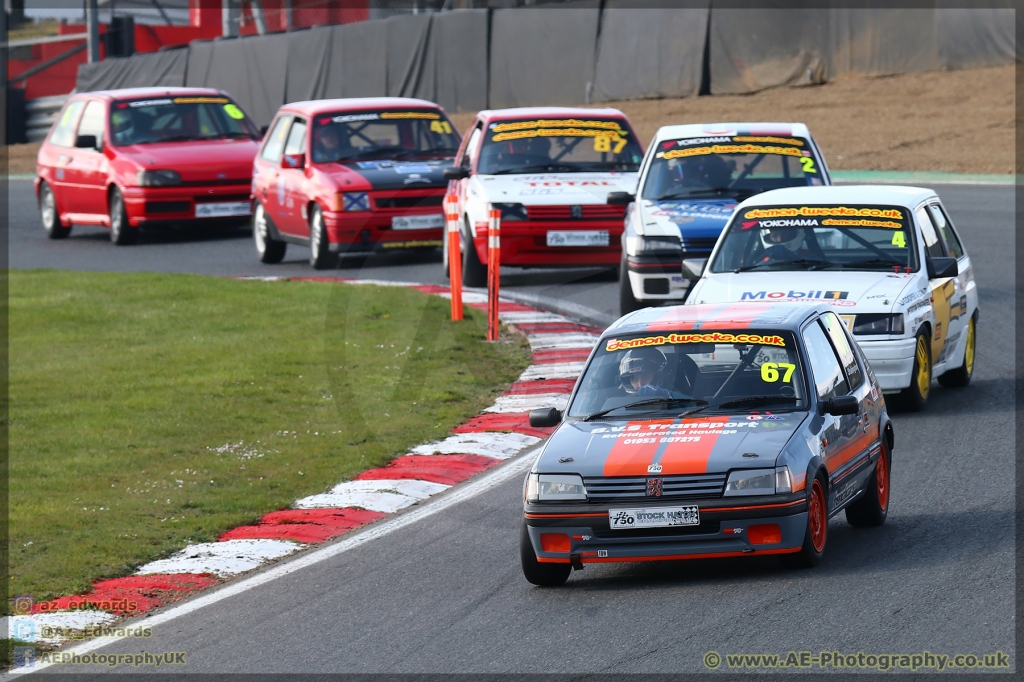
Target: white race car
[[886, 258], [691, 179], [549, 171]]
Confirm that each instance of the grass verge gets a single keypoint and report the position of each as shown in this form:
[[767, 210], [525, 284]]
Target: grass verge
[[149, 411]]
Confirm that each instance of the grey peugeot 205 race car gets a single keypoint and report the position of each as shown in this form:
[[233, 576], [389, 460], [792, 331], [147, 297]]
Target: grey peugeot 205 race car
[[709, 431]]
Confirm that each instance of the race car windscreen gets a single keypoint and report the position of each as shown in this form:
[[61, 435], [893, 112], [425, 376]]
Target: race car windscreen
[[818, 238], [670, 373], [365, 135], [559, 146], [178, 119], [738, 166]]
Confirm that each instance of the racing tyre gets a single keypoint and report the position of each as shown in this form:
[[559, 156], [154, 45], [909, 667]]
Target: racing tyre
[[121, 231], [545, 575], [961, 376], [50, 215], [872, 508], [474, 273], [816, 534], [269, 249], [627, 302], [914, 398], [320, 256]]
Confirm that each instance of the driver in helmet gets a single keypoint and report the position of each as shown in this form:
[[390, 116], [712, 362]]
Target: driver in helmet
[[784, 244], [327, 145], [640, 372]]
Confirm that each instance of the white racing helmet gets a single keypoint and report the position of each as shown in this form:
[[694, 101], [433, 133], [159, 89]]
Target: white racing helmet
[[640, 361], [789, 238]]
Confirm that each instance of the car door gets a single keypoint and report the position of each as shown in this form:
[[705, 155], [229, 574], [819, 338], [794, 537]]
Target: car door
[[836, 432], [292, 176], [86, 173], [966, 300], [946, 291], [58, 152], [267, 166]]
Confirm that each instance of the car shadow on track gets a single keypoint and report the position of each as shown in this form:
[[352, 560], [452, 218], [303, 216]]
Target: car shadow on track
[[905, 542], [155, 236], [982, 396]]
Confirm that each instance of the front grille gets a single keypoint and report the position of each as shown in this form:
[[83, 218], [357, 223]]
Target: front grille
[[634, 489], [585, 212], [699, 243], [167, 206], [211, 199], [409, 202]]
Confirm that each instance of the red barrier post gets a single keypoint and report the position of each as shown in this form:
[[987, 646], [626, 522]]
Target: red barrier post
[[451, 203], [493, 272]]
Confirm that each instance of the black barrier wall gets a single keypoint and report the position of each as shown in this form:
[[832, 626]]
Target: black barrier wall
[[577, 52]]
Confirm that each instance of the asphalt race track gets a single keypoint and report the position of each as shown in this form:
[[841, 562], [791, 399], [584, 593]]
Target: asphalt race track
[[446, 593]]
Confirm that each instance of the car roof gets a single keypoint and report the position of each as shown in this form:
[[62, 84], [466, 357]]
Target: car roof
[[787, 316], [321, 106], [546, 112], [132, 93], [678, 132], [888, 195]]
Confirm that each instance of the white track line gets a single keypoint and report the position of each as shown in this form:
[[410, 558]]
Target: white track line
[[489, 480], [498, 445], [524, 402]]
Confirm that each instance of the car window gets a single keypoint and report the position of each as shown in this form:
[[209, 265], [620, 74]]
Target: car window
[[274, 146], [472, 149], [828, 375], [932, 243], [956, 250], [296, 138], [363, 136], [63, 134], [177, 119], [842, 345], [92, 122]]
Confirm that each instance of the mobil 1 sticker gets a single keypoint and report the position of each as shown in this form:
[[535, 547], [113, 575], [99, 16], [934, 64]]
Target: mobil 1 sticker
[[653, 518]]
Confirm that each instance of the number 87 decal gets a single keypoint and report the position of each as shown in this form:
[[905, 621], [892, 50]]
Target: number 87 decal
[[603, 143], [770, 371]]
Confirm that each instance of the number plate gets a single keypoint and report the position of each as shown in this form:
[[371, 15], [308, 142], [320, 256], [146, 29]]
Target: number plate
[[578, 238], [417, 222], [654, 517], [223, 210]]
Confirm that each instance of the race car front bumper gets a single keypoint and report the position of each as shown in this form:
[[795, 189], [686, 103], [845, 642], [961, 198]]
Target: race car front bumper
[[524, 243], [365, 231], [891, 361], [758, 526], [185, 203]]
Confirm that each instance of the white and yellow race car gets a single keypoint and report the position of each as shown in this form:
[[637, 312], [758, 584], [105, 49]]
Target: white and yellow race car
[[886, 258]]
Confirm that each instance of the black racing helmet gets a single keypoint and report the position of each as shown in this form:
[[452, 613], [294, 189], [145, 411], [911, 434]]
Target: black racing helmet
[[640, 361]]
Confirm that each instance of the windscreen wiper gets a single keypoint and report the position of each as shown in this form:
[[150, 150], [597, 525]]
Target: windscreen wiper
[[641, 403], [537, 168], [873, 262], [433, 151], [809, 263], [375, 151], [739, 401]]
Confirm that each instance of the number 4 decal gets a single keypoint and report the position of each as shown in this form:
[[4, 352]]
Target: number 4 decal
[[441, 127]]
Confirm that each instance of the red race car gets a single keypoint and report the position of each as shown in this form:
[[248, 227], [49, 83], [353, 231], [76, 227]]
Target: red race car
[[350, 176], [126, 158]]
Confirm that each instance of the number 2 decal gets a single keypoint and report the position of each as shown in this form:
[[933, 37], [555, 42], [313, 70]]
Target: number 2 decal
[[770, 371], [808, 164]]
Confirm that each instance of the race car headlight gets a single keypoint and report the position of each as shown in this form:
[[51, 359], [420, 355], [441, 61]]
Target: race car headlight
[[511, 211], [751, 482], [874, 323], [352, 201], [555, 488], [651, 245], [783, 481], [157, 178]]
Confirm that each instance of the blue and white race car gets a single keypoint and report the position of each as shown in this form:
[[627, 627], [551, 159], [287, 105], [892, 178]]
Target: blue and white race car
[[691, 179]]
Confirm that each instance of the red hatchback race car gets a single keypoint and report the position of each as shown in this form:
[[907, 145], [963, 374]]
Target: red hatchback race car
[[549, 170], [352, 176], [143, 156]]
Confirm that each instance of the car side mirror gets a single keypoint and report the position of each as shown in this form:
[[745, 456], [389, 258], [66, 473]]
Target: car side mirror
[[455, 173], [941, 267], [544, 417], [840, 405], [293, 161], [86, 142], [263, 131], [693, 268], [620, 198]]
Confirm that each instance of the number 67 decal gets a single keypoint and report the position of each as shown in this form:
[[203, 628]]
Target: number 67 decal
[[770, 371]]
